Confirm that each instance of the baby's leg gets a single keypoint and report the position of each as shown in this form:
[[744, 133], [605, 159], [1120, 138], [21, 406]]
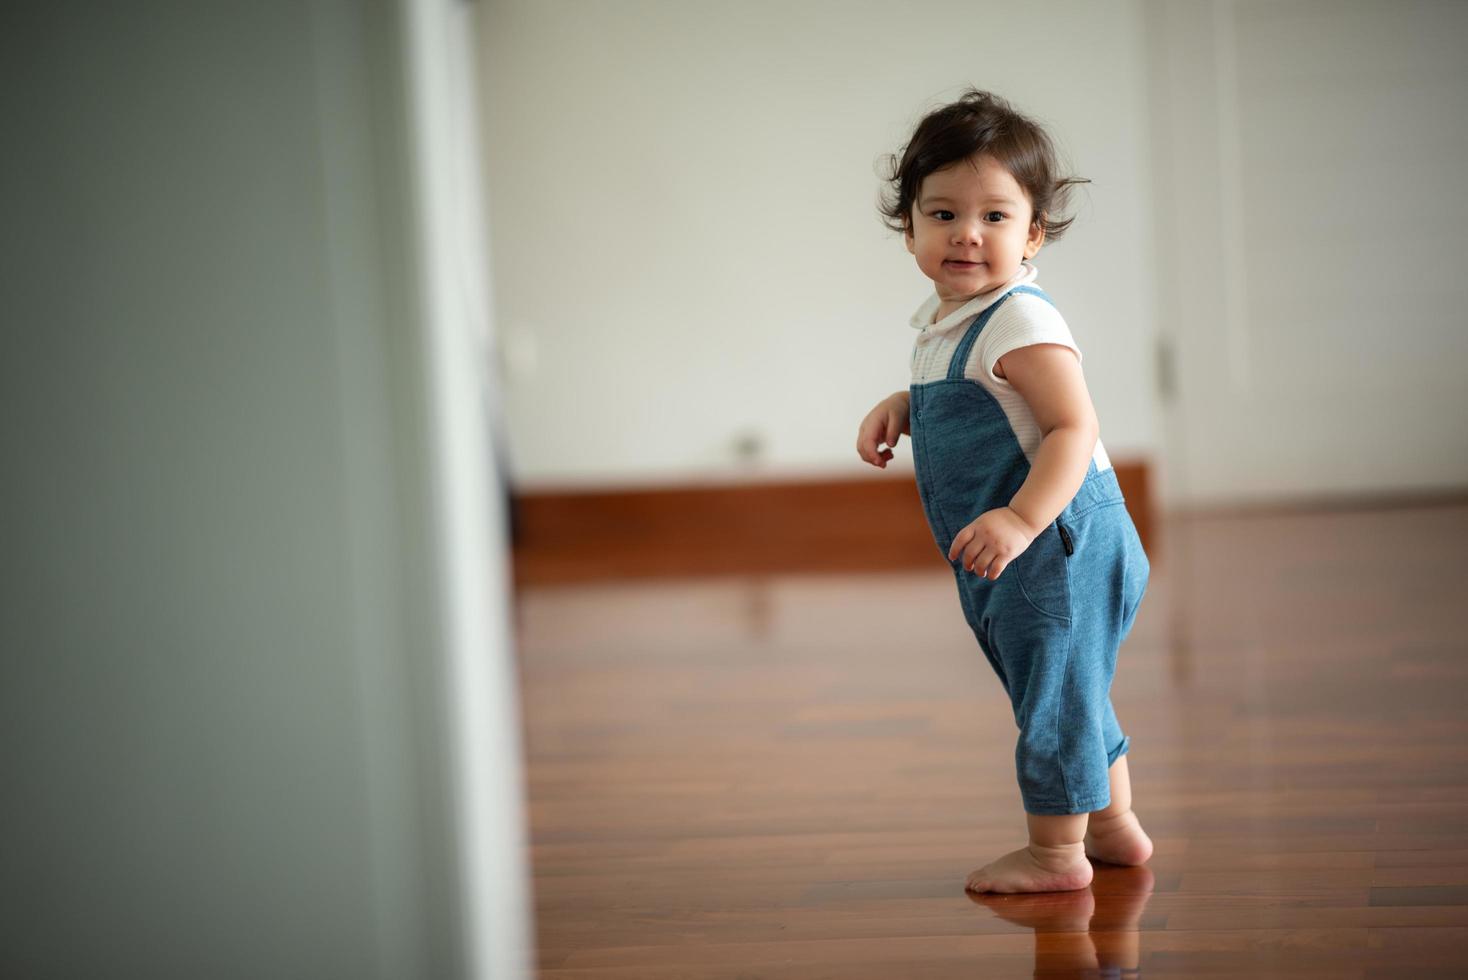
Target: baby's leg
[[1115, 835], [1054, 861]]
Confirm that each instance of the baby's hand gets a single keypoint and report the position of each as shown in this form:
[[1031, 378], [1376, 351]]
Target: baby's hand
[[992, 541], [885, 423]]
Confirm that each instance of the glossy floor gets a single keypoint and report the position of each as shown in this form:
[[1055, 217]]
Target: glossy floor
[[790, 777]]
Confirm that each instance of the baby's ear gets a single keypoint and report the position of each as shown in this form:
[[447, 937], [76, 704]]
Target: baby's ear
[[1036, 237]]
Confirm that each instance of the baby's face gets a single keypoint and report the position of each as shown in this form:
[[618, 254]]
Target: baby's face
[[971, 227]]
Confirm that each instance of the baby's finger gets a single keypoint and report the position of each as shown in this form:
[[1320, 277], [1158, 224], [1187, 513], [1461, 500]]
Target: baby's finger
[[894, 430], [982, 561], [999, 565], [959, 541]]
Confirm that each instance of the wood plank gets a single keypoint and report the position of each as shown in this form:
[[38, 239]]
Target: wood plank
[[789, 776], [865, 524]]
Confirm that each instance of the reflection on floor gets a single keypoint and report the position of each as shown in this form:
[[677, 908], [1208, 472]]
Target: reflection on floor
[[790, 777]]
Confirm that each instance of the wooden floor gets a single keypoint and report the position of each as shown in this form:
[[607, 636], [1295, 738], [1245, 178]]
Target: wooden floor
[[790, 777]]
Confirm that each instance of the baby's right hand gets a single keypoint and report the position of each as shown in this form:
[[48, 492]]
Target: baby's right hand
[[883, 424]]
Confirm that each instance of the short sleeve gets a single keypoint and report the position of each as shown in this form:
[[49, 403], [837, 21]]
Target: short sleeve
[[1023, 320]]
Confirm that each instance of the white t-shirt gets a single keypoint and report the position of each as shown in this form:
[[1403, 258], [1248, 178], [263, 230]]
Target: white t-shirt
[[1023, 320]]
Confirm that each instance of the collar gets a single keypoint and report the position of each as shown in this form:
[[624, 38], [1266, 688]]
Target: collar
[[923, 318]]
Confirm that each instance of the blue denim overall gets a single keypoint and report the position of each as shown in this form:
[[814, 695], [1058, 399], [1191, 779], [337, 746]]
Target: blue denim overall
[[1052, 622]]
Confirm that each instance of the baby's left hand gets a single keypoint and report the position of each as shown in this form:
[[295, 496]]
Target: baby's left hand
[[992, 541]]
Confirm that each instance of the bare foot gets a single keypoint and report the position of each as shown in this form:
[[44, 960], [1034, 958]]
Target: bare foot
[[1037, 868], [1118, 840]]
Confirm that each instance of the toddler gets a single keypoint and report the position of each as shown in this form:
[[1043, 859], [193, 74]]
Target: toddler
[[1015, 483]]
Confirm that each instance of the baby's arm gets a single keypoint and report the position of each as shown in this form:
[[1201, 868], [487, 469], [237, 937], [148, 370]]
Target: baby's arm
[[1048, 377], [885, 423]]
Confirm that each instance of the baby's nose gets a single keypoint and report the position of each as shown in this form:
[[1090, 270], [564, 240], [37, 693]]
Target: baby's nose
[[966, 233]]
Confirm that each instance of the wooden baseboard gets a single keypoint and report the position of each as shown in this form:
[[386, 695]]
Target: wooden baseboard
[[870, 524]]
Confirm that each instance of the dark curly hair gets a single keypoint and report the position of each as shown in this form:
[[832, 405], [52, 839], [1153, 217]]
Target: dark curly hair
[[979, 123]]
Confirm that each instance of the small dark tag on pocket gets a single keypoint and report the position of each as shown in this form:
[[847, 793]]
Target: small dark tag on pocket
[[1070, 549]]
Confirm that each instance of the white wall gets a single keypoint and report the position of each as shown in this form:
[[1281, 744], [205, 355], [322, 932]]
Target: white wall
[[1313, 222], [231, 647], [686, 246]]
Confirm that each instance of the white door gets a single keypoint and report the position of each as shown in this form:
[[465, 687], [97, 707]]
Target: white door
[[1312, 228]]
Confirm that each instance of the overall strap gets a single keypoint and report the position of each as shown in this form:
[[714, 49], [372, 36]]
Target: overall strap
[[960, 356]]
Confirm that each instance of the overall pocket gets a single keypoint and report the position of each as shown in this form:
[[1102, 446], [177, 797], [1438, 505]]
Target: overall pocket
[[1043, 573]]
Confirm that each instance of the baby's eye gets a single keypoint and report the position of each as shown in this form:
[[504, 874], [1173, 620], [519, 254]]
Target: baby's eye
[[994, 216], [943, 215]]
